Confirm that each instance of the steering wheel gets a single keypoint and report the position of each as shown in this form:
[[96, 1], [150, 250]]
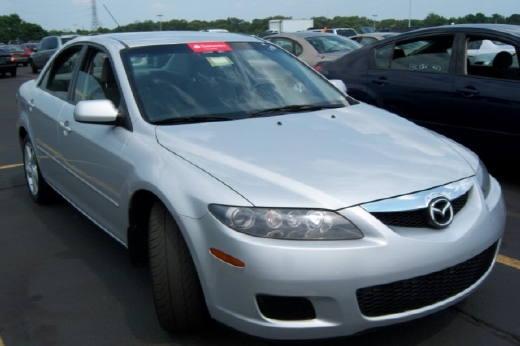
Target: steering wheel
[[261, 86]]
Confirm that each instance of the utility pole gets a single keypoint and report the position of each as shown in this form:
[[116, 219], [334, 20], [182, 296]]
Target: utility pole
[[95, 21], [160, 23], [410, 14]]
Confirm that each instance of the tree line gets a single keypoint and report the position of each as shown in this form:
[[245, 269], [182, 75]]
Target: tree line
[[12, 27]]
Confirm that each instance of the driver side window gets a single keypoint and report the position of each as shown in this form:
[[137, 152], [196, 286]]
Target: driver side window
[[96, 79], [60, 74]]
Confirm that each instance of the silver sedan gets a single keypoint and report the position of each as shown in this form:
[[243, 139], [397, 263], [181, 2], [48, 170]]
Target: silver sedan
[[259, 193]]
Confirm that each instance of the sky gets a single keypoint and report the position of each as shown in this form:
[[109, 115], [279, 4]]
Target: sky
[[69, 15]]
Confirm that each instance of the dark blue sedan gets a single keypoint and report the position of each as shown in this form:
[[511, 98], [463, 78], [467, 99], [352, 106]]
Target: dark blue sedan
[[436, 78]]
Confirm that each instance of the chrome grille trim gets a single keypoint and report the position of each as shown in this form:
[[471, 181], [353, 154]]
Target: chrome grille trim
[[421, 199]]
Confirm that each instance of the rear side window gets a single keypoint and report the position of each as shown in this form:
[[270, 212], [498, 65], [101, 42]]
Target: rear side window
[[431, 55], [346, 32], [289, 45], [494, 57], [50, 43]]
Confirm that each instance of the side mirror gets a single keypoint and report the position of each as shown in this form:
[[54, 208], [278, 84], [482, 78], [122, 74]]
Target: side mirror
[[339, 84], [101, 112]]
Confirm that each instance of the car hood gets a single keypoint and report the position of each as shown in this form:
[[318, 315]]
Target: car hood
[[326, 159]]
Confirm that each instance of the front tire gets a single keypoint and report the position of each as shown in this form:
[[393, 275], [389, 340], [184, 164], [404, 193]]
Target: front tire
[[33, 67], [179, 300], [40, 191], [13, 72]]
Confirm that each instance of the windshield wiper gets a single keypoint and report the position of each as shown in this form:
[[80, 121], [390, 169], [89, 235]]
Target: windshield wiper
[[294, 108], [190, 120]]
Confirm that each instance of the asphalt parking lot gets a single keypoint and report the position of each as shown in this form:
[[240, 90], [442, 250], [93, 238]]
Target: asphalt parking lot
[[65, 282]]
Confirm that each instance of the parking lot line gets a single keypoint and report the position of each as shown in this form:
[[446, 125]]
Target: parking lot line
[[8, 167], [508, 261]]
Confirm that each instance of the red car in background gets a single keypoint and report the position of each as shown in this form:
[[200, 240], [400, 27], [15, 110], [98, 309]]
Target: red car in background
[[28, 50]]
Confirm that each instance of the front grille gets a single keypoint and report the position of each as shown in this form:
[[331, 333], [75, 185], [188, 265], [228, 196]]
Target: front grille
[[286, 308], [418, 292], [416, 218]]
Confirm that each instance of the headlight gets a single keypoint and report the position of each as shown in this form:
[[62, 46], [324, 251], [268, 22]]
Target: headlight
[[483, 178], [293, 224]]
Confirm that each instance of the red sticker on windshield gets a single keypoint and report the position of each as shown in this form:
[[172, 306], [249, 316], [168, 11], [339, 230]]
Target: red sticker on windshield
[[201, 47]]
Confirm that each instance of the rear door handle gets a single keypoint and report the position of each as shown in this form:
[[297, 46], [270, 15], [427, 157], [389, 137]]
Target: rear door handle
[[468, 91]]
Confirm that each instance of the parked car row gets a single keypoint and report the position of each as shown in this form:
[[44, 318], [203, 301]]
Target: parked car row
[[371, 37], [8, 63], [314, 46], [18, 53], [346, 32], [45, 49], [259, 193]]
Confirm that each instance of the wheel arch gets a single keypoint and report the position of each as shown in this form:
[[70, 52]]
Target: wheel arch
[[22, 133], [137, 233]]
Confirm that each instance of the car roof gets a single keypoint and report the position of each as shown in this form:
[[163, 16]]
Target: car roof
[[139, 39], [305, 33], [332, 27], [504, 28], [377, 33]]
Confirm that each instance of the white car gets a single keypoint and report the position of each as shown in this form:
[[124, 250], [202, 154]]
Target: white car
[[482, 52], [258, 192]]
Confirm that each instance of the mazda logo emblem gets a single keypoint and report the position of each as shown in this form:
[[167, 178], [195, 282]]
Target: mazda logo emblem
[[440, 212]]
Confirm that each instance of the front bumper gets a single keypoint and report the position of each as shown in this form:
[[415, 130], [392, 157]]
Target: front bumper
[[320, 289]]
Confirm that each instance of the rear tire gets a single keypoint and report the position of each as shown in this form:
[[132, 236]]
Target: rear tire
[[179, 300], [33, 67], [39, 190], [13, 72]]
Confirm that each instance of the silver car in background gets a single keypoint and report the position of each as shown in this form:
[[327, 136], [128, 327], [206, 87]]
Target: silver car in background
[[258, 192], [45, 49]]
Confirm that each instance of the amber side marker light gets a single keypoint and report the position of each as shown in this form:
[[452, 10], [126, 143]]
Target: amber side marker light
[[227, 258]]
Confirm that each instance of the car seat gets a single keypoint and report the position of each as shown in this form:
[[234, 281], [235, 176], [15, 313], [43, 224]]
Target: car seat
[[501, 64]]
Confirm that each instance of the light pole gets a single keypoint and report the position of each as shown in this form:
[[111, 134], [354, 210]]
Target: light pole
[[410, 14], [374, 16], [160, 23]]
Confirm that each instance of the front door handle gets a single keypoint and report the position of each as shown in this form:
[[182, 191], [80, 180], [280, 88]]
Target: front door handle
[[65, 127], [380, 81]]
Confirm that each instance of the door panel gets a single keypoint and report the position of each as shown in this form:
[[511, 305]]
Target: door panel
[[44, 111], [412, 78], [489, 117], [93, 154], [95, 169]]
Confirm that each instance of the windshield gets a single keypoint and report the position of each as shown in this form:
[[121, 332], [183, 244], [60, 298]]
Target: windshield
[[201, 82], [332, 43], [346, 32]]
